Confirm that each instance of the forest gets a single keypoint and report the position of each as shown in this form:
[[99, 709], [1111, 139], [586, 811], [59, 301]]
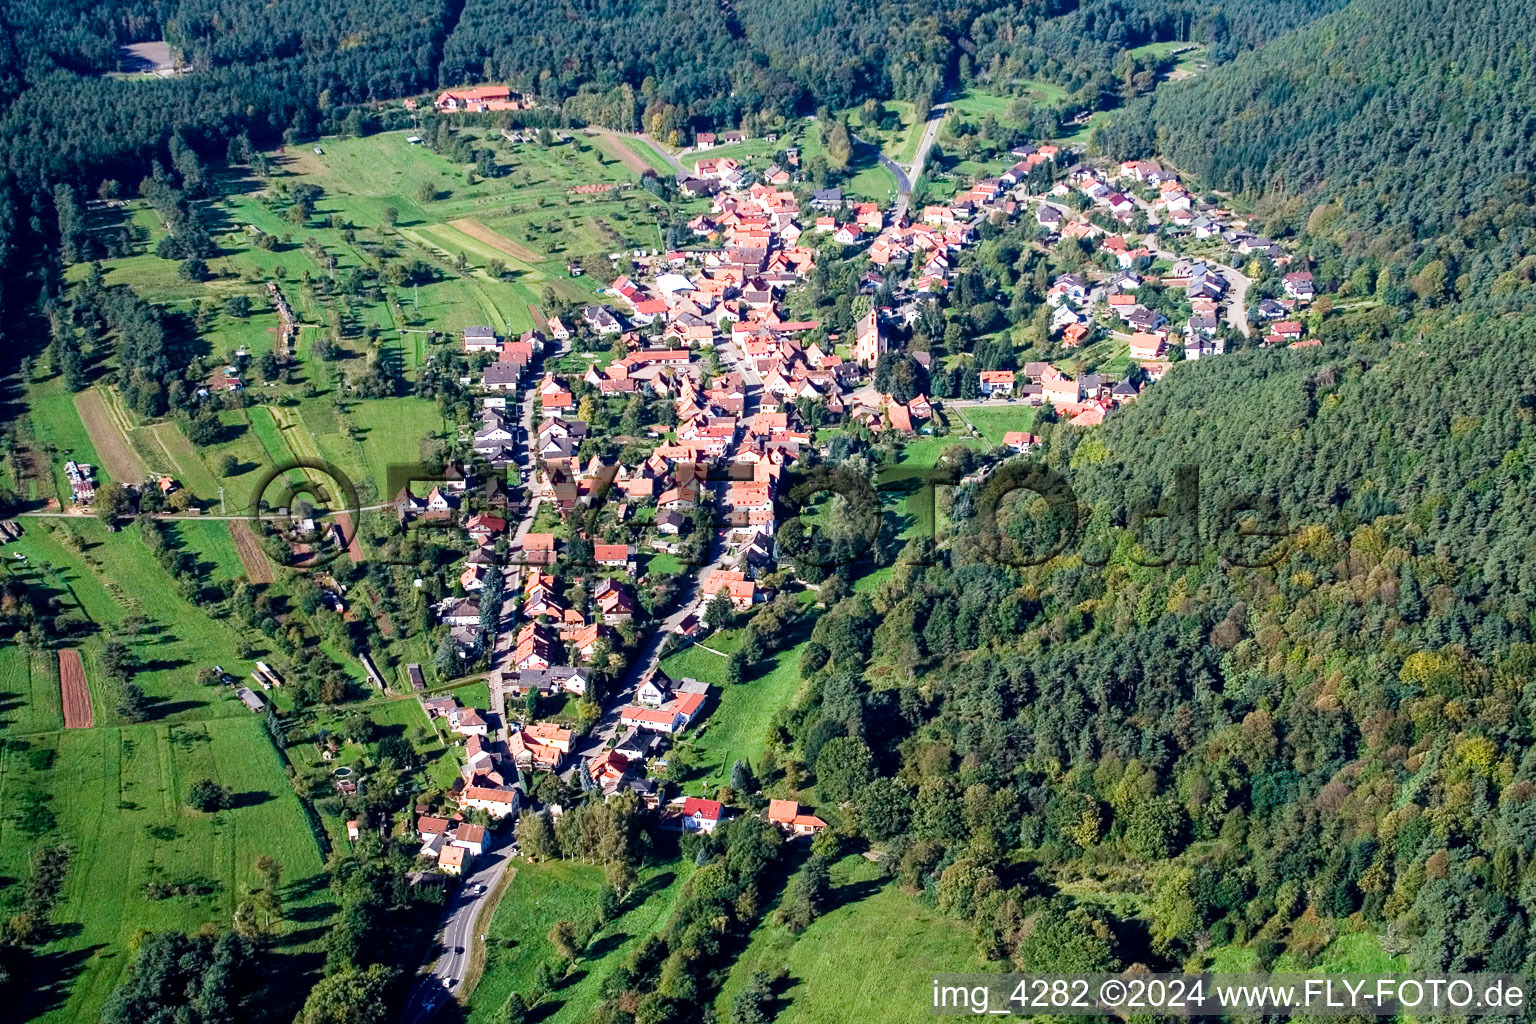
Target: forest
[[1263, 751], [1396, 130]]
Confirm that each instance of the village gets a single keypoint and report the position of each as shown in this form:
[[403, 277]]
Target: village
[[551, 585]]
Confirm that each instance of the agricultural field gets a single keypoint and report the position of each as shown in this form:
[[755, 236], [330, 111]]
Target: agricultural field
[[537, 897], [29, 691], [105, 577], [118, 797], [495, 248], [870, 957]]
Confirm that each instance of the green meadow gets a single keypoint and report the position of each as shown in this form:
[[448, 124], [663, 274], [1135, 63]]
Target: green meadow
[[540, 895], [116, 798], [870, 957]]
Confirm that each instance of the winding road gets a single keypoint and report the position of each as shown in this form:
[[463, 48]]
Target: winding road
[[905, 178]]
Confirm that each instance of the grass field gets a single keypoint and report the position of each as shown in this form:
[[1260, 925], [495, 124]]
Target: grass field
[[29, 691], [110, 575], [118, 797], [736, 728], [870, 958], [995, 421], [542, 894]]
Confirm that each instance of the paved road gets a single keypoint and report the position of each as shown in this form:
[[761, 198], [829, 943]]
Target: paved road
[[930, 132], [446, 976], [1237, 283]]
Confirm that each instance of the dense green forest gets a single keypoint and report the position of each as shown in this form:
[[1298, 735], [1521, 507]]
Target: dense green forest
[[1098, 761], [1403, 129], [1265, 751]]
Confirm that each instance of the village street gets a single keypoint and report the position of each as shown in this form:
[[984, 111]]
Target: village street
[[457, 937]]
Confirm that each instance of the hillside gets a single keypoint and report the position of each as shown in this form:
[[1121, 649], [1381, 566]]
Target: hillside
[[1244, 757], [1415, 118]]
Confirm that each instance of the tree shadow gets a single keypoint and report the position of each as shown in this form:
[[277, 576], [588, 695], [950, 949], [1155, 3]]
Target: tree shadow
[[605, 945], [854, 892], [252, 798]]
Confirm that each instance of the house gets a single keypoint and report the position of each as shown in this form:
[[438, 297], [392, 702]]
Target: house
[[612, 556], [1287, 330], [1020, 441], [549, 680], [540, 747], [501, 376], [1299, 286], [496, 802], [827, 198], [600, 320], [670, 524], [654, 690], [700, 815], [480, 99], [451, 860], [996, 382], [467, 722], [786, 815], [463, 612], [470, 837], [480, 339], [1146, 346], [484, 528]]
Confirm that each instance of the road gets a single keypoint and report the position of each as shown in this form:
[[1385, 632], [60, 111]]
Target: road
[[905, 179], [446, 976], [1237, 283]]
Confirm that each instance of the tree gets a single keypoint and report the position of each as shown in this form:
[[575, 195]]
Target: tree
[[516, 1010], [193, 269], [208, 796], [350, 996], [390, 216], [1156, 830], [132, 704], [844, 765], [754, 1004], [807, 895], [226, 464], [427, 192], [536, 836], [562, 935], [719, 612], [111, 502], [839, 146]]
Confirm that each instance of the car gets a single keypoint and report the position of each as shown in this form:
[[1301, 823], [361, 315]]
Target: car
[[458, 950], [448, 983], [477, 890]]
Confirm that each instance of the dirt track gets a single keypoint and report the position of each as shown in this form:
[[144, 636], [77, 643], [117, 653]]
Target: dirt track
[[257, 568], [501, 243], [626, 156], [354, 548], [76, 694], [118, 460]]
